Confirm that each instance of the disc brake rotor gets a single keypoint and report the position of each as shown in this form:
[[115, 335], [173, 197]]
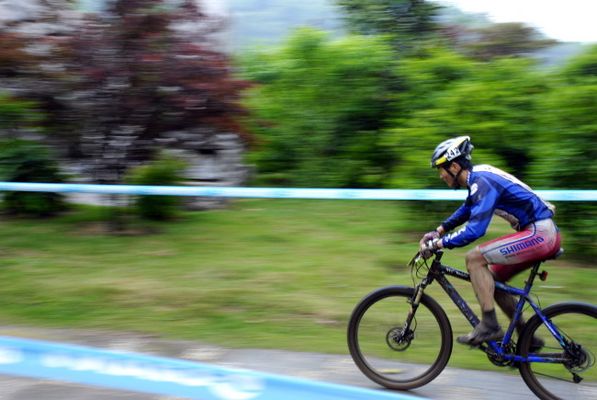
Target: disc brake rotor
[[398, 339]]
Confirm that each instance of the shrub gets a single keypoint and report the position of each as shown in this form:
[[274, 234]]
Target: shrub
[[165, 170], [27, 161]]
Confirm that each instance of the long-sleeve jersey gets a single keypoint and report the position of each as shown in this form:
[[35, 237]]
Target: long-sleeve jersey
[[491, 190]]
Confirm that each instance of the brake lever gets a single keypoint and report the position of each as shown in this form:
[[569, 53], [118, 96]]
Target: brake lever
[[415, 260]]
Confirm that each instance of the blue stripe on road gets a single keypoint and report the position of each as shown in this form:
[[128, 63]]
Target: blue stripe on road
[[279, 193], [164, 376]]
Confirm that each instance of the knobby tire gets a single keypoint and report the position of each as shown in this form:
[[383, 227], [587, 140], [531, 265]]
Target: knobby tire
[[428, 308]]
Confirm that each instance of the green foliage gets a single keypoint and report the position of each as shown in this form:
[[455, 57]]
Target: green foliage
[[350, 113], [582, 67], [497, 108], [494, 103], [321, 107], [429, 72], [17, 114], [165, 170], [565, 153], [26, 161], [414, 132]]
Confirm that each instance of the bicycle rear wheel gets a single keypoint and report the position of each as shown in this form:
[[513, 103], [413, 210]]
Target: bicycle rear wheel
[[576, 377], [391, 356]]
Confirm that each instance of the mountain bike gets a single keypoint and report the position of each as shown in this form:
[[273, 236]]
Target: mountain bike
[[401, 338]]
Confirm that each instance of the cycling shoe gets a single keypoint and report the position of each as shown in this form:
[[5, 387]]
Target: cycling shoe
[[481, 333]]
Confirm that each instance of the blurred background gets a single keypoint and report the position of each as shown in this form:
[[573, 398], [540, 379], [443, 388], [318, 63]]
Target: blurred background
[[322, 93]]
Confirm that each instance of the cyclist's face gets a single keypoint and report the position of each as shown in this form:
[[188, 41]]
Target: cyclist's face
[[446, 177]]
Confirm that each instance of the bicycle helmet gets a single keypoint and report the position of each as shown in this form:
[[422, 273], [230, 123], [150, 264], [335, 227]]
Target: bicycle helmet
[[451, 149]]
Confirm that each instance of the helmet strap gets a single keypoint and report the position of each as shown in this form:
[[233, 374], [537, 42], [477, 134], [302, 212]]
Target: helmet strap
[[456, 177]]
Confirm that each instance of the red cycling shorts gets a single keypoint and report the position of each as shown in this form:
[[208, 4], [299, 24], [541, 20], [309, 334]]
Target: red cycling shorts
[[511, 254]]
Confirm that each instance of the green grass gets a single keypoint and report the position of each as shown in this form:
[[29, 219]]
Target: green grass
[[262, 273]]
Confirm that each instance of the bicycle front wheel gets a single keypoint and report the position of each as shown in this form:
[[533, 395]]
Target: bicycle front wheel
[[391, 355], [573, 374]]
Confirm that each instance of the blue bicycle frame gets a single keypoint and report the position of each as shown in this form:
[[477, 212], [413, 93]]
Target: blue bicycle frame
[[438, 272]]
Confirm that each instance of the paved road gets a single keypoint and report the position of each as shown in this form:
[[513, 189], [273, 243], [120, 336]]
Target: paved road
[[451, 384]]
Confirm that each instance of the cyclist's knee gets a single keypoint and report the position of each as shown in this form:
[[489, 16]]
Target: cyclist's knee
[[474, 259]]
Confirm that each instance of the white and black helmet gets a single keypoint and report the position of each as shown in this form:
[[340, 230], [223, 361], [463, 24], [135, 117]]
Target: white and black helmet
[[451, 149]]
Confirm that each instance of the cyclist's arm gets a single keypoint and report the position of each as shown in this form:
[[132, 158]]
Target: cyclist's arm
[[460, 216], [483, 201]]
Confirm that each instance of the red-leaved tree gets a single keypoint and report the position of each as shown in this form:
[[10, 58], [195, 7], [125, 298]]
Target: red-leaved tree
[[116, 86], [138, 72]]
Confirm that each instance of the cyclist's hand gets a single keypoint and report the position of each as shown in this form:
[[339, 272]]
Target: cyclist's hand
[[429, 236], [430, 247]]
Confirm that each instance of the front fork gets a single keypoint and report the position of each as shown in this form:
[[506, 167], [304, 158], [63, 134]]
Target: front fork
[[414, 303]]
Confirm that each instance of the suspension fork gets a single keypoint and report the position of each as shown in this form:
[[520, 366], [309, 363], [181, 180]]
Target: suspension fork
[[415, 300]]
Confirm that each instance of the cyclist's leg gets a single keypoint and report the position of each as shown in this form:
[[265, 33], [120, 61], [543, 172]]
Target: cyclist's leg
[[516, 253], [484, 286], [507, 255], [481, 279], [506, 301]]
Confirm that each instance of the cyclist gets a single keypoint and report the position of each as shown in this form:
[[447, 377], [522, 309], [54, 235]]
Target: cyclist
[[491, 191]]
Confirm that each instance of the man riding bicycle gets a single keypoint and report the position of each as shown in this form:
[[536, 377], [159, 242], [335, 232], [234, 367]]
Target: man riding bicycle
[[491, 191]]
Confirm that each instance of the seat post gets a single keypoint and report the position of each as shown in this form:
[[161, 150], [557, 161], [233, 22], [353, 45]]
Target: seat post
[[532, 275]]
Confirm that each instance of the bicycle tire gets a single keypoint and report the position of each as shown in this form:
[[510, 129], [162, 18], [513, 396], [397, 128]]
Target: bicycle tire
[[429, 316], [555, 381]]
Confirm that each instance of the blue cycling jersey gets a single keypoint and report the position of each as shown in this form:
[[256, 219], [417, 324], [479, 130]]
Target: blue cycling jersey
[[493, 191]]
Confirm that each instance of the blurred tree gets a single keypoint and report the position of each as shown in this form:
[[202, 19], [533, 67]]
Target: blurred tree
[[565, 149], [18, 117], [568, 126], [116, 85], [25, 160], [493, 103], [403, 21], [424, 76], [164, 170], [138, 71], [321, 108], [430, 71], [13, 57], [498, 108], [26, 74], [30, 63], [28, 161], [500, 40], [582, 68]]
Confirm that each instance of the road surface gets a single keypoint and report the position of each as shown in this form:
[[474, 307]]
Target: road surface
[[452, 384]]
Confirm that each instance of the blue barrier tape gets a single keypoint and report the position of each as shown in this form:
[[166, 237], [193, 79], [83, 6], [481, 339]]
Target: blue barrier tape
[[164, 376], [278, 193]]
